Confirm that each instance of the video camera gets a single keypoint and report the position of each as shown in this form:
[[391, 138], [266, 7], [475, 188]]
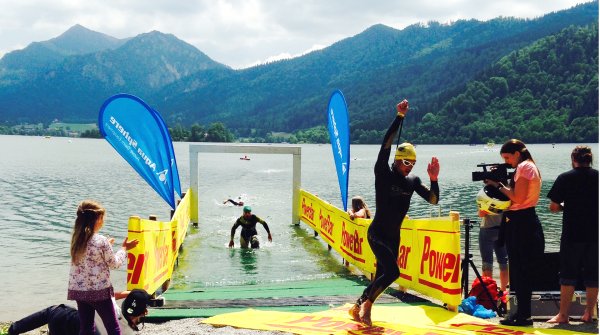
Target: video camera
[[497, 172]]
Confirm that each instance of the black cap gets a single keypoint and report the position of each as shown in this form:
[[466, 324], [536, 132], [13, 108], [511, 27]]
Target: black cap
[[135, 305]]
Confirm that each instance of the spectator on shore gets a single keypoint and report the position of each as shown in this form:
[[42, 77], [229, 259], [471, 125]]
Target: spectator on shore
[[359, 209], [575, 193], [488, 235], [92, 257], [491, 203]]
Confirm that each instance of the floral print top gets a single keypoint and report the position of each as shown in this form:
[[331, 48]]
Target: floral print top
[[89, 279]]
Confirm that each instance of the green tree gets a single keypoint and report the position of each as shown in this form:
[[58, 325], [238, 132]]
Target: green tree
[[217, 132], [197, 133]]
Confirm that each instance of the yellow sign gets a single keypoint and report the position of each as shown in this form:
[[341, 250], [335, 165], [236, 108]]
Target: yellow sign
[[151, 262], [388, 320], [429, 254]]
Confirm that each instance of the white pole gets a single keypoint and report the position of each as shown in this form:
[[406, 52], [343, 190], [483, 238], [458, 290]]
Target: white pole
[[296, 184], [295, 151]]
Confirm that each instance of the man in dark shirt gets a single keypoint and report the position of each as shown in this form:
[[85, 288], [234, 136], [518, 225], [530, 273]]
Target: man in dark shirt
[[576, 194], [249, 234], [393, 190]]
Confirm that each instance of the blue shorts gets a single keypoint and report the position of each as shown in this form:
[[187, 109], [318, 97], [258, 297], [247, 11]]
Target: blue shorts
[[487, 248]]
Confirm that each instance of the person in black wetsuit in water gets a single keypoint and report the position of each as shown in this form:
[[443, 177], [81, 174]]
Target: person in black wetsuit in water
[[249, 234], [393, 189], [233, 202]]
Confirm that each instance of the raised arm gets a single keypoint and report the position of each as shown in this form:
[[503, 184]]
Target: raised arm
[[388, 139]]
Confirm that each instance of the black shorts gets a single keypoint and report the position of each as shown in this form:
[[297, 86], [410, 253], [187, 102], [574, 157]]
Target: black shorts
[[579, 260]]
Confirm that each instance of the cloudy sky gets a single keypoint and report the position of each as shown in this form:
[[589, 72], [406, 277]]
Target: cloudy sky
[[244, 33]]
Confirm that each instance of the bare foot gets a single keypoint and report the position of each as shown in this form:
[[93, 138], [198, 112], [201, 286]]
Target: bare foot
[[354, 312], [366, 319], [587, 317], [559, 318], [365, 313]]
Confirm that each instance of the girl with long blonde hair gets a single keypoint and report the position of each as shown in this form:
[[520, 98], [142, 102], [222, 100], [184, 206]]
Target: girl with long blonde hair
[[92, 257]]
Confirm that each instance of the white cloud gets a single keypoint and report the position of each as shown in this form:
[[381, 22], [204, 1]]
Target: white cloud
[[242, 33]]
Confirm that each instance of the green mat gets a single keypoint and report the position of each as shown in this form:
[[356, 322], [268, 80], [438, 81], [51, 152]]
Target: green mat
[[296, 296]]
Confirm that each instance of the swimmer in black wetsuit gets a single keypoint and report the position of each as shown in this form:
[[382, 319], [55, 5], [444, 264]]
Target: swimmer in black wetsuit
[[235, 203], [393, 189], [249, 234]]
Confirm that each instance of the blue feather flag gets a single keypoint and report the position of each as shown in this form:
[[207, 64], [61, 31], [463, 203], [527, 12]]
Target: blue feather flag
[[139, 134], [339, 134]]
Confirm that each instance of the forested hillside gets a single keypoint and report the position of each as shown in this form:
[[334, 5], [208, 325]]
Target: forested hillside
[[546, 92], [467, 82], [374, 70]]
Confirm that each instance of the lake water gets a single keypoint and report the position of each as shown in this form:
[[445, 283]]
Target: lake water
[[42, 180]]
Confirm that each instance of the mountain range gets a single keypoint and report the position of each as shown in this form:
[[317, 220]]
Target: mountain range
[[68, 77]]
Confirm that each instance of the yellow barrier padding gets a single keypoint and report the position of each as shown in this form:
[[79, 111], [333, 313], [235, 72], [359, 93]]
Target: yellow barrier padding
[[388, 320], [429, 254], [151, 262]]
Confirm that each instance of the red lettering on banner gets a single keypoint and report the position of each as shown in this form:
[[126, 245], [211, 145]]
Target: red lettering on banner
[[351, 241], [173, 241], [134, 265], [403, 257], [376, 330], [161, 252], [440, 265], [307, 319], [307, 210], [320, 324], [161, 255], [326, 223], [481, 328]]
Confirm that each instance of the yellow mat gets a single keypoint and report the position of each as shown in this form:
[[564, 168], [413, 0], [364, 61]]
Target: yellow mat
[[388, 320]]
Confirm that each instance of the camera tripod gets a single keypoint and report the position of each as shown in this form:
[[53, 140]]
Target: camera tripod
[[468, 260]]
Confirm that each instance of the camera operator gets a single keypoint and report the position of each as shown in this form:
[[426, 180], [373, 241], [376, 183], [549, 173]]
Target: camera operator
[[64, 320], [522, 230]]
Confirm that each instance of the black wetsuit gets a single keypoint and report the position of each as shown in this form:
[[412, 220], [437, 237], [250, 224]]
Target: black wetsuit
[[61, 320], [392, 200], [248, 227], [234, 202]]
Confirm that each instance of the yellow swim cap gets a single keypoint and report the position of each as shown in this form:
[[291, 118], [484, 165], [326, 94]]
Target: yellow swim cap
[[406, 151]]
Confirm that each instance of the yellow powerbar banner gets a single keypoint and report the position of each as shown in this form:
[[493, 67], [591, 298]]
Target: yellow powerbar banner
[[151, 262], [388, 320], [429, 255]]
